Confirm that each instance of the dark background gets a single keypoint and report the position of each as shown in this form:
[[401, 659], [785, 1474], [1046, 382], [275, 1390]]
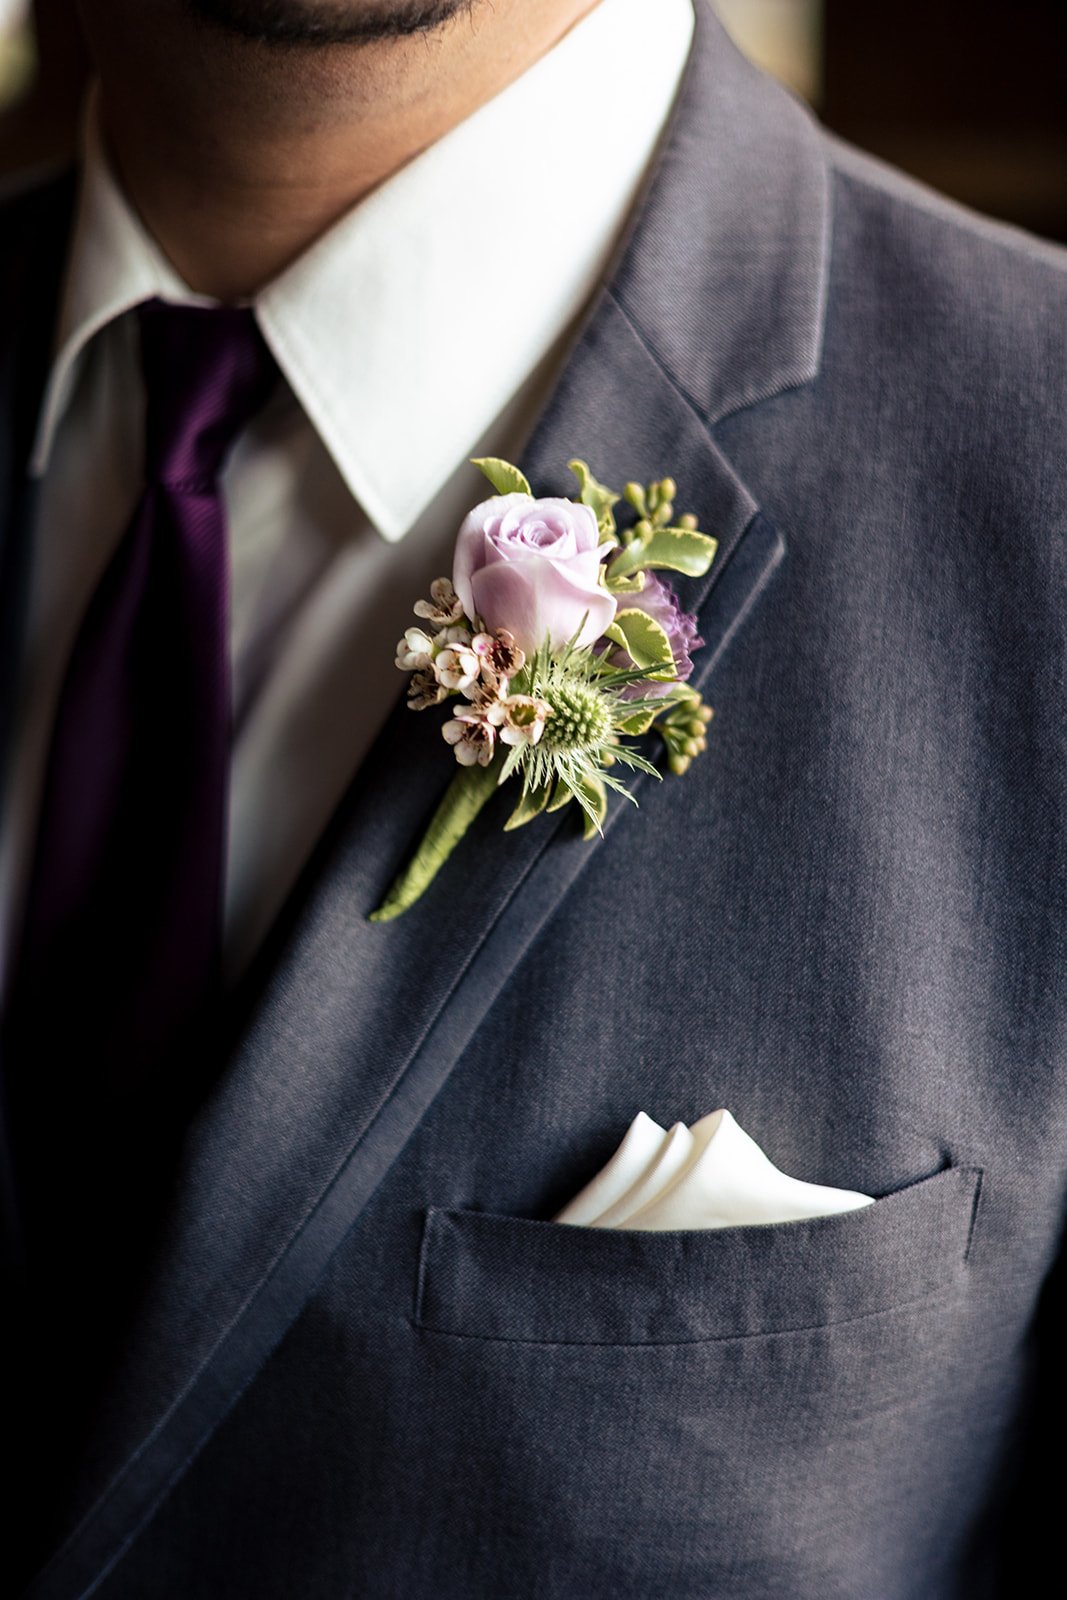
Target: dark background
[[971, 97]]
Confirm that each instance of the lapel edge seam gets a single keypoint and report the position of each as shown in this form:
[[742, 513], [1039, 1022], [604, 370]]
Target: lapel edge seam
[[740, 617], [709, 418]]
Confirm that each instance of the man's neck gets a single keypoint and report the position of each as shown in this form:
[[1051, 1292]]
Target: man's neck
[[239, 154]]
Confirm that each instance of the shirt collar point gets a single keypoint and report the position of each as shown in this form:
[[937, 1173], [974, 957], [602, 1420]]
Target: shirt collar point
[[391, 529], [389, 520]]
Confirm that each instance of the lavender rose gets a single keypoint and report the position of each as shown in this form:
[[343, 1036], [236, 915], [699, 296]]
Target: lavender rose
[[660, 602], [532, 566]]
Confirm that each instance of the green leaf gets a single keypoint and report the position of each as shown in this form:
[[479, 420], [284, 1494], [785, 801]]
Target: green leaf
[[592, 796], [632, 585], [639, 723], [562, 796], [463, 799], [597, 496], [669, 549], [505, 478], [644, 641], [531, 805]]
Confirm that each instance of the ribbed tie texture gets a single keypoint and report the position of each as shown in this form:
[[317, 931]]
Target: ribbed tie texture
[[121, 950]]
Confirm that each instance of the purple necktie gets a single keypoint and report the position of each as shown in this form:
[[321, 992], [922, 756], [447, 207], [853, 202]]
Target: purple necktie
[[123, 922], [109, 1040]]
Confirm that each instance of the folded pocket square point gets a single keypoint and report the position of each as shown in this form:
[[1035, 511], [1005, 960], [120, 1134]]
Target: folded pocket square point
[[712, 1175]]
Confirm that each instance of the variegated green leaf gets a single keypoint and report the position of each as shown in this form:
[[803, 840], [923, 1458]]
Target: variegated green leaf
[[531, 805], [593, 799], [669, 549], [561, 796], [644, 641], [639, 723], [632, 585], [505, 478], [597, 496]]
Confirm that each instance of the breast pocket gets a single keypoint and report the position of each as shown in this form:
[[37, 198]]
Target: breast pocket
[[505, 1278], [729, 1415]]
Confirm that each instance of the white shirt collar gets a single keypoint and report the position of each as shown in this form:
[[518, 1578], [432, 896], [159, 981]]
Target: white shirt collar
[[406, 328]]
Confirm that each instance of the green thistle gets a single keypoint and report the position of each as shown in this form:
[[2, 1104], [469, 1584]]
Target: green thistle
[[583, 736], [582, 714]]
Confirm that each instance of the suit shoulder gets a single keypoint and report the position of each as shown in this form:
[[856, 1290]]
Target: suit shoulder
[[940, 238], [948, 307]]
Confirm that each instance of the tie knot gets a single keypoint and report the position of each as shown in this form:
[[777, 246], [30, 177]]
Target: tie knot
[[206, 372]]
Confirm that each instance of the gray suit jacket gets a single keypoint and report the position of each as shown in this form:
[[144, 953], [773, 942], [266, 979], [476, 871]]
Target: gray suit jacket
[[366, 1363]]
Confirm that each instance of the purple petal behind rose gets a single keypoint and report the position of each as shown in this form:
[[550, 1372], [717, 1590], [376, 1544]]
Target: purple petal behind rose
[[659, 601]]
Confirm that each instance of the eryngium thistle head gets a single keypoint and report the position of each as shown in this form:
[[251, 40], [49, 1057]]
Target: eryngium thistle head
[[583, 731], [582, 715]]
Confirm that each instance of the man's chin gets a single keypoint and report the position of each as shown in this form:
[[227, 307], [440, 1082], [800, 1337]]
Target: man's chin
[[327, 22]]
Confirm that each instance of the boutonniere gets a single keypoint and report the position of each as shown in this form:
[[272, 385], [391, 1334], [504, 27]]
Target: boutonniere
[[553, 646]]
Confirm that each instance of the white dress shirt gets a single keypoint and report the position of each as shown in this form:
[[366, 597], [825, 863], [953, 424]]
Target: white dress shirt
[[425, 327]]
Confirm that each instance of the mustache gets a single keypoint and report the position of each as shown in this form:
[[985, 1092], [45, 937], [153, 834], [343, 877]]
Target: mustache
[[319, 23]]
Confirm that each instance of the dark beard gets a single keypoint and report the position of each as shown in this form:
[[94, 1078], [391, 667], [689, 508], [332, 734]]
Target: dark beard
[[327, 22]]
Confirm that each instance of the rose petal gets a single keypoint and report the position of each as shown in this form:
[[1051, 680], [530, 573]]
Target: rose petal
[[471, 543], [536, 600]]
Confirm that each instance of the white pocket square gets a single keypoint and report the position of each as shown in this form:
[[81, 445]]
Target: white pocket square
[[711, 1175]]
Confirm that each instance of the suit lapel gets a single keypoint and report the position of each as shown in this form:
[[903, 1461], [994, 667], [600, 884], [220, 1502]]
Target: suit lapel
[[359, 1025]]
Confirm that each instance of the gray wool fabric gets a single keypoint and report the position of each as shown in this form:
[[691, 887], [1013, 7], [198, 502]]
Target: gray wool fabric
[[368, 1363]]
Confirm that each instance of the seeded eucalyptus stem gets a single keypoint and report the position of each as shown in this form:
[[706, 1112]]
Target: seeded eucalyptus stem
[[463, 799]]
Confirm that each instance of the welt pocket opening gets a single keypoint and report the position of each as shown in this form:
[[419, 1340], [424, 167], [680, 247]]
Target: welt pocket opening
[[489, 1276]]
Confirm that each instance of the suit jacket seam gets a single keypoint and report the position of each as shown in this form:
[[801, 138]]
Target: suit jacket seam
[[935, 1295]]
